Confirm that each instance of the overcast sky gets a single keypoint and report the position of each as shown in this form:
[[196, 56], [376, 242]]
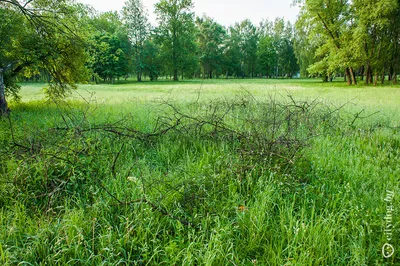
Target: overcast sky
[[226, 12]]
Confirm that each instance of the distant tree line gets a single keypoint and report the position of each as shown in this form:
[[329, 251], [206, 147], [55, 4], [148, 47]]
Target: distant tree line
[[121, 45], [185, 46]]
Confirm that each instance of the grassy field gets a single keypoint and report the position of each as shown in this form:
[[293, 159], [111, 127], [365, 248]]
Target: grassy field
[[221, 172]]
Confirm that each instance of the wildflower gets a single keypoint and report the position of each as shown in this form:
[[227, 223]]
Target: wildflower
[[242, 208]]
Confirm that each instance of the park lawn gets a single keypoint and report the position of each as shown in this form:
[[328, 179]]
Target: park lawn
[[72, 194], [385, 98]]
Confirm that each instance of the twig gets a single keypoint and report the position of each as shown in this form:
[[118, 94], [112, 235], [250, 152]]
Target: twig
[[115, 160]]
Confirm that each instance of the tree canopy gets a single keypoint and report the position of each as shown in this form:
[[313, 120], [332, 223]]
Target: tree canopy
[[40, 36], [175, 33], [138, 30], [350, 37]]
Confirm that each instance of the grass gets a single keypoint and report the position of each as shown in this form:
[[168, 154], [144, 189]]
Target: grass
[[381, 98], [59, 199]]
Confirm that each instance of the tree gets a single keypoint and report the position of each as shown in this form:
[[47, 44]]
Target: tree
[[249, 46], [10, 30], [109, 47], [176, 32], [138, 27], [287, 59], [375, 33], [351, 35], [331, 22], [266, 54], [210, 38], [241, 49], [151, 59], [233, 55], [394, 29], [40, 35], [276, 49], [108, 58], [304, 47]]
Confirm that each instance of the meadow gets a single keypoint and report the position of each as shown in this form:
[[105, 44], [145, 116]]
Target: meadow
[[202, 172]]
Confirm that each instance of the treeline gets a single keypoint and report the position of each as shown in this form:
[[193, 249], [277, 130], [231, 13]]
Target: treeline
[[65, 43], [357, 38], [184, 46], [119, 45]]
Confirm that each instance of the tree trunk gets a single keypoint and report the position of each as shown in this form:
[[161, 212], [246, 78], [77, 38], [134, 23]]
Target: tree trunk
[[348, 78], [175, 74], [353, 76], [362, 71], [383, 78], [3, 102], [390, 73], [394, 77], [376, 78], [324, 78], [139, 77], [369, 75]]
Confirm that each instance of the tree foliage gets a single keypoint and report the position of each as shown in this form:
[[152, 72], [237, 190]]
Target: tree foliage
[[176, 33], [40, 35], [210, 39], [350, 37], [138, 28], [109, 47]]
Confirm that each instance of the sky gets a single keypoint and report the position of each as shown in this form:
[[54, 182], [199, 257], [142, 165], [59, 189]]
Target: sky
[[226, 12]]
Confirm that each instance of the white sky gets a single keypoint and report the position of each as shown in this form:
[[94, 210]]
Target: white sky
[[226, 12]]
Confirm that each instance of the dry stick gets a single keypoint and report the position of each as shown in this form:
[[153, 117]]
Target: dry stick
[[357, 116], [119, 131], [337, 109], [108, 192], [202, 122], [248, 92], [115, 161]]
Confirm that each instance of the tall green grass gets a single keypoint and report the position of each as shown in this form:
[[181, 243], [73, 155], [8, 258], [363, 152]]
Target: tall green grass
[[59, 200]]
